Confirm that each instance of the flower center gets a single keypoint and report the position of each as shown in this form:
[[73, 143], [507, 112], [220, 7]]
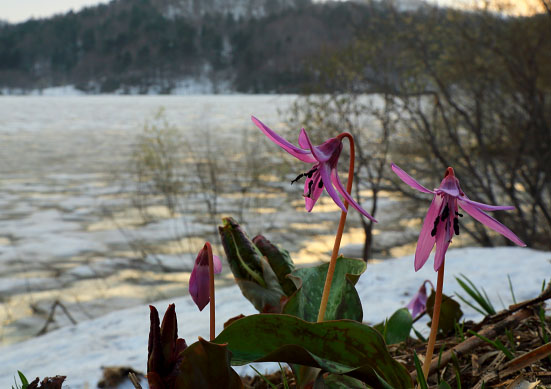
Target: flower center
[[310, 184], [443, 217]]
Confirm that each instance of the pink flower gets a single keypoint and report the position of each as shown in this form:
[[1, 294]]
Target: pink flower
[[442, 219], [199, 279], [418, 303], [323, 173]]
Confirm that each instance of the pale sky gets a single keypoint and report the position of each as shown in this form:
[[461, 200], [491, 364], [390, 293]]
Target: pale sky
[[15, 11]]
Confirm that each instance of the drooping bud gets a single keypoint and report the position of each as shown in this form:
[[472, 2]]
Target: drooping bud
[[418, 303], [200, 277]]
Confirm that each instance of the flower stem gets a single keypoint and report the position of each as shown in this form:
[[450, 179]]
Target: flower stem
[[338, 236], [435, 319], [211, 290]]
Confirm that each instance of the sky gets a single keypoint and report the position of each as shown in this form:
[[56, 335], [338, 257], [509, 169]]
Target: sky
[[15, 11]]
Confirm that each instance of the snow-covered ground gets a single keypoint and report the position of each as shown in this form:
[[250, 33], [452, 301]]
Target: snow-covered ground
[[120, 338], [69, 230]]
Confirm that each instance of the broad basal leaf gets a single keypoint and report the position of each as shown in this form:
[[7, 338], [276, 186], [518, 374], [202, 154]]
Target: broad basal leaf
[[344, 302], [341, 347]]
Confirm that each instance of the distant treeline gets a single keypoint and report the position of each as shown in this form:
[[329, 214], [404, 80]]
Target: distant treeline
[[140, 44], [136, 44]]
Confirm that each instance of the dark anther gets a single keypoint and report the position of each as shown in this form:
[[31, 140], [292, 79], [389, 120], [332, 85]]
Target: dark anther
[[311, 172], [298, 178], [320, 185], [458, 214], [456, 226], [433, 232], [310, 188], [307, 174], [445, 213]]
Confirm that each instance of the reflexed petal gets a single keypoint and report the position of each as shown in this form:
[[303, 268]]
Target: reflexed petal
[[489, 221], [199, 286], [442, 245], [303, 155], [486, 207], [347, 197], [315, 193], [302, 141], [217, 264], [425, 243], [326, 150], [327, 183], [409, 180]]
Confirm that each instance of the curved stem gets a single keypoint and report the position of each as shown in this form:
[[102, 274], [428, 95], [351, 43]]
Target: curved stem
[[340, 229], [435, 319], [211, 291]]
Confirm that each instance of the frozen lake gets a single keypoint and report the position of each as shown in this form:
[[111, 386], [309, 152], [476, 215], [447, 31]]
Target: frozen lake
[[69, 227]]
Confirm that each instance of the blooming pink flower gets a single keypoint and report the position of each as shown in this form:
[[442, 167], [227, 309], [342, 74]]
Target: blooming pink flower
[[199, 279], [323, 173], [442, 219], [418, 303]]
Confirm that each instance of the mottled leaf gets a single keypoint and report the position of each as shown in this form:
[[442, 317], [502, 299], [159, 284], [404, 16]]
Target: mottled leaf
[[343, 303], [256, 279], [207, 365], [340, 347], [280, 261]]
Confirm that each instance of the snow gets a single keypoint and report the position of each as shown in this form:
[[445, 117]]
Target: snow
[[120, 338]]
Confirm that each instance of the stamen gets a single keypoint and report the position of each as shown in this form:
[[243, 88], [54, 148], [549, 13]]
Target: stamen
[[311, 172], [298, 178], [309, 189], [456, 226], [307, 174], [433, 232], [458, 214], [445, 213]]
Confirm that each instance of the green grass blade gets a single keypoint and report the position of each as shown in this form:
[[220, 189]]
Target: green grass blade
[[511, 289], [283, 376], [23, 379], [456, 368], [384, 384], [264, 378], [471, 304], [419, 335], [480, 297], [420, 376], [497, 344]]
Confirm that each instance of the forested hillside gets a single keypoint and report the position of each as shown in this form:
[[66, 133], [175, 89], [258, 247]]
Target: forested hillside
[[134, 45]]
